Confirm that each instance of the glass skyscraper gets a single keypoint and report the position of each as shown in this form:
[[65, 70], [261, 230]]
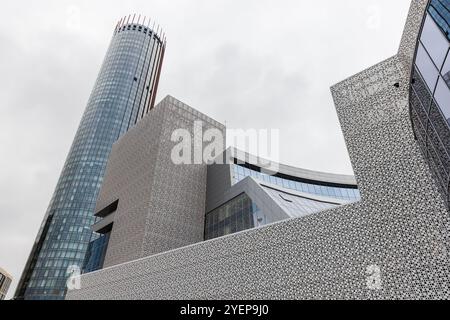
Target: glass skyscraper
[[123, 93]]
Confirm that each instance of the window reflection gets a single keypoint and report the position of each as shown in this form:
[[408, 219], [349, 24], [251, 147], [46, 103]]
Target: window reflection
[[442, 96], [434, 41], [440, 11], [427, 68], [240, 173], [430, 102]]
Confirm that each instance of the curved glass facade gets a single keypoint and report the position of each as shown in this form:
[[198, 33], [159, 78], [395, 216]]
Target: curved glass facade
[[430, 91], [296, 206], [5, 282], [342, 193], [124, 92]]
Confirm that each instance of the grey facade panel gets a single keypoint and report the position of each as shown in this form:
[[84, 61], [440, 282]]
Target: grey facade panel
[[400, 227], [430, 93], [161, 205], [258, 196], [245, 157]]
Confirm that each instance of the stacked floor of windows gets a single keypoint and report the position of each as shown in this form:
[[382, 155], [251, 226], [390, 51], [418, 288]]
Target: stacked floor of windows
[[430, 92], [120, 97], [238, 214], [350, 194]]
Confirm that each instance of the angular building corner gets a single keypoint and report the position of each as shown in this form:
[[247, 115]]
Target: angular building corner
[[390, 243]]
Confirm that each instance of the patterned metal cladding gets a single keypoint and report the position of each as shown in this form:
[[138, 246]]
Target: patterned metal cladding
[[124, 92], [398, 232], [161, 205]]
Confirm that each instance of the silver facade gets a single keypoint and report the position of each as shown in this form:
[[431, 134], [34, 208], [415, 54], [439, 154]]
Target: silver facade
[[398, 231], [161, 205], [430, 92]]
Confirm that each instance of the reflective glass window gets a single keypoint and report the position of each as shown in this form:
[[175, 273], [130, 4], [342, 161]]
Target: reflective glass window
[[314, 189], [426, 68], [440, 12], [442, 96], [446, 70], [434, 41]]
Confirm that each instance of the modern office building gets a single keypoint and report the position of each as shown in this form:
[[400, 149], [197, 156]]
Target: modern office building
[[123, 93], [5, 282], [183, 208], [242, 193], [148, 204], [430, 92], [391, 244]]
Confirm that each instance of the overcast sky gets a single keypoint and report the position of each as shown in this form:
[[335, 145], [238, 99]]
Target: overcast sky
[[249, 63]]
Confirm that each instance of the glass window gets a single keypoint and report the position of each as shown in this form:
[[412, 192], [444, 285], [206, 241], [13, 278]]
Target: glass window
[[446, 70], [434, 41], [236, 215], [279, 181], [421, 89], [442, 96], [291, 184], [418, 108], [273, 180], [426, 68], [440, 11], [441, 152]]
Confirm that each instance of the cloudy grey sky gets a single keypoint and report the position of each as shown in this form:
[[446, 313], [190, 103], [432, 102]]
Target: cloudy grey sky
[[249, 63]]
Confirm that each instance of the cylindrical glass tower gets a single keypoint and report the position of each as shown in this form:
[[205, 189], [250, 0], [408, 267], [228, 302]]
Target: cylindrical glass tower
[[124, 92]]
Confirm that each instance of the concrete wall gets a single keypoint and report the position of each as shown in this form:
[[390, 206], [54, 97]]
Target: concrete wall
[[401, 226]]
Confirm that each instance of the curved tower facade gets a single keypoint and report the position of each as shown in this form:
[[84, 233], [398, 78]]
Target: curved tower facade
[[430, 92], [124, 92]]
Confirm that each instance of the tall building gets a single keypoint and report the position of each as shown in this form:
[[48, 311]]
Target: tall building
[[149, 205], [5, 282], [392, 243], [124, 92]]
